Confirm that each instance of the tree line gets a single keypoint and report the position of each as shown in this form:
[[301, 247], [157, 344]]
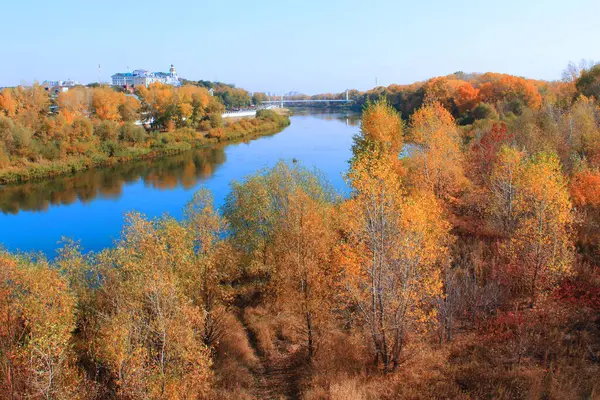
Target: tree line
[[42, 132]]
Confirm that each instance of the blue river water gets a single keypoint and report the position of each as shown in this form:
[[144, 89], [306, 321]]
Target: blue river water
[[90, 206]]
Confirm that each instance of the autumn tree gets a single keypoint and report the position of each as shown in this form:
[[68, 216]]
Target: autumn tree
[[588, 83], [129, 109], [158, 103], [37, 312], [466, 97], [150, 331], [26, 105], [207, 278], [303, 279], [582, 130], [105, 103], [542, 242], [515, 92], [485, 148], [585, 187], [253, 206], [74, 103], [381, 124], [437, 163], [391, 256], [258, 98], [8, 103], [394, 246], [504, 183], [192, 103], [172, 107], [446, 91]]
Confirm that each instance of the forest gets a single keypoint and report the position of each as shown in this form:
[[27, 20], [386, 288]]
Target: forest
[[463, 264], [45, 134]]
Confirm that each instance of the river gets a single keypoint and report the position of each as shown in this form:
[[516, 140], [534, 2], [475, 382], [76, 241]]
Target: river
[[90, 206]]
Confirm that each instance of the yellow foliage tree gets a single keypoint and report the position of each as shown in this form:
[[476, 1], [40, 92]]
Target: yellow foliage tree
[[37, 316], [507, 171], [150, 334], [382, 124], [391, 256], [303, 281], [437, 163], [542, 243], [74, 103], [106, 102]]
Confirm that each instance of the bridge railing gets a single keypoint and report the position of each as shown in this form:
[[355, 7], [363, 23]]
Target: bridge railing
[[307, 101]]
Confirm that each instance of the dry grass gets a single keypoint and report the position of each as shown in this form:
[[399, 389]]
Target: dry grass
[[234, 362], [557, 356], [348, 389]]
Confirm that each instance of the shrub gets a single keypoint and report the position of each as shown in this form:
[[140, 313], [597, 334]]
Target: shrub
[[216, 133], [133, 133], [261, 326], [167, 138], [216, 120], [6, 129], [49, 151], [349, 389], [107, 130], [485, 111], [4, 159], [109, 147], [82, 129], [21, 136], [234, 359], [271, 115], [205, 126]]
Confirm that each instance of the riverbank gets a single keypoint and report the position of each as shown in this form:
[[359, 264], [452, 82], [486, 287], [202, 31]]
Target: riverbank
[[157, 145]]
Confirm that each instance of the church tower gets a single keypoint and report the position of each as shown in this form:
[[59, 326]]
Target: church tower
[[172, 71]]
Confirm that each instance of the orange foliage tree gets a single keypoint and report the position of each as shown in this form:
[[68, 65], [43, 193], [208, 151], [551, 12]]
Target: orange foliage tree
[[503, 87], [585, 188], [466, 97]]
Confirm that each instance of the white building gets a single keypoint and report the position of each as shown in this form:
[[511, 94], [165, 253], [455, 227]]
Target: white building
[[142, 77], [52, 84]]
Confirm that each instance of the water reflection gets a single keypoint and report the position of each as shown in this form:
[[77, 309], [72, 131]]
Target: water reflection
[[165, 173]]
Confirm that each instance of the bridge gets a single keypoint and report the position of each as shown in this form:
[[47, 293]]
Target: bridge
[[282, 100]]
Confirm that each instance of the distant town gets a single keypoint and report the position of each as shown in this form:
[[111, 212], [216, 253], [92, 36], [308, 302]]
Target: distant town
[[127, 80], [143, 77]]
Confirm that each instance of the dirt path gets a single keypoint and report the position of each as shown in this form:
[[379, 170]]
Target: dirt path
[[278, 375]]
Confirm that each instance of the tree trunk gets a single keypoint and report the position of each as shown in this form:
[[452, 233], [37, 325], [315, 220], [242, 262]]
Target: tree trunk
[[311, 349]]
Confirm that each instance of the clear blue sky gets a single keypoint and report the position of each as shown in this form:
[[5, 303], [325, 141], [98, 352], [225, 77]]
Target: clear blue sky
[[310, 46]]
